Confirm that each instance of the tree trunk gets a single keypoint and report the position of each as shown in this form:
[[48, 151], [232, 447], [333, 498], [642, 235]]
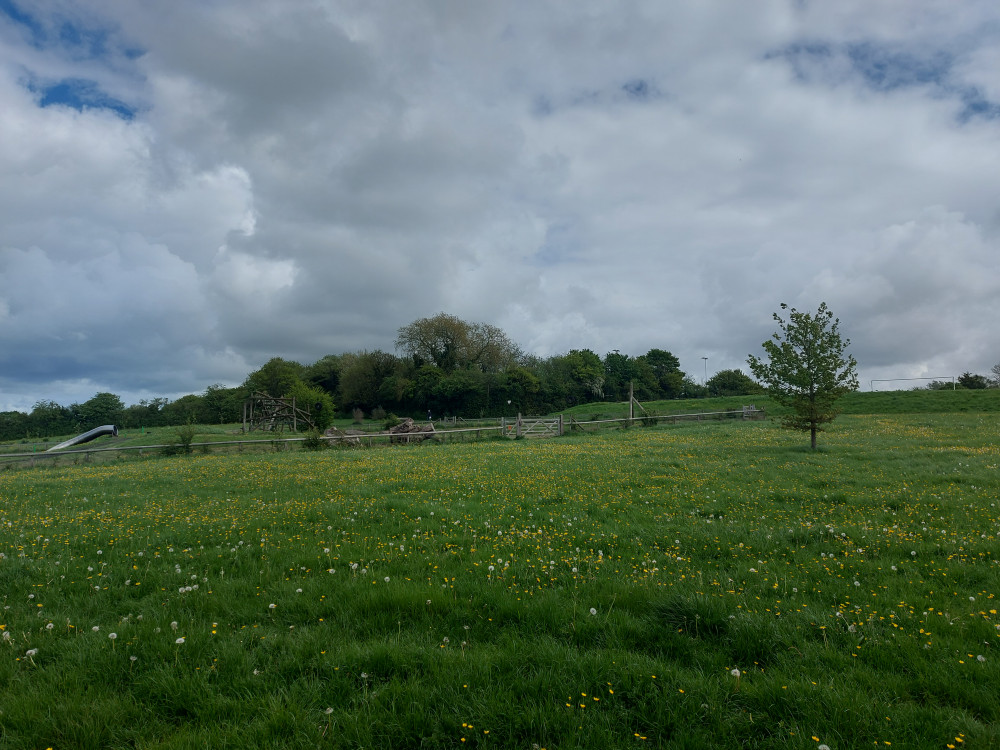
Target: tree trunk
[[812, 435]]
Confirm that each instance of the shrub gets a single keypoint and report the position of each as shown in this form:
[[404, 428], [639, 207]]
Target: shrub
[[181, 442], [314, 441]]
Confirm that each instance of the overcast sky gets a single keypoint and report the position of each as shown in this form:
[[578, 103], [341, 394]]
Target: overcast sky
[[189, 188]]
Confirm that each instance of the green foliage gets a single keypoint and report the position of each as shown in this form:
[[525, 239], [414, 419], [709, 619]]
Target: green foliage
[[276, 377], [939, 385], [973, 382], [314, 400], [221, 405], [49, 418], [325, 373], [733, 383], [449, 343], [185, 410], [807, 369], [314, 441], [181, 441], [362, 376], [13, 425], [102, 409], [666, 371], [147, 413]]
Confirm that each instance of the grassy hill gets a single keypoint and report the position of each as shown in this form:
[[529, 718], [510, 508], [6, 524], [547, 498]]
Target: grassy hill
[[859, 402]]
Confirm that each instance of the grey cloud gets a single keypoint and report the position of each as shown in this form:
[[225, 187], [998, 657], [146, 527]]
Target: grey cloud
[[303, 179]]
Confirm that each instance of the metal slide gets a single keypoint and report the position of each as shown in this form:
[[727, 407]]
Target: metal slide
[[108, 429]]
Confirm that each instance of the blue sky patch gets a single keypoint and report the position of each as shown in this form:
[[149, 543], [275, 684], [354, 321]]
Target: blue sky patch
[[80, 94], [29, 25], [76, 40], [70, 42], [887, 69], [637, 88], [977, 105]]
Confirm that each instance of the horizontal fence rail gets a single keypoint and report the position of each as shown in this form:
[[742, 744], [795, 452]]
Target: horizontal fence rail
[[523, 427]]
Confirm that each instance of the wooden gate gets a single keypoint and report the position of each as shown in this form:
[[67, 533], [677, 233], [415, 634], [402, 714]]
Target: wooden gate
[[524, 427]]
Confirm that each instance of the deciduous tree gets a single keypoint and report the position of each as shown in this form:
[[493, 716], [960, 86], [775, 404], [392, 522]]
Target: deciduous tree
[[973, 382], [732, 383], [807, 368], [102, 409], [450, 343]]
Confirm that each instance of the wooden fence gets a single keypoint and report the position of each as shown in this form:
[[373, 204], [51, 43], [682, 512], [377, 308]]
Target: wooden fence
[[521, 427]]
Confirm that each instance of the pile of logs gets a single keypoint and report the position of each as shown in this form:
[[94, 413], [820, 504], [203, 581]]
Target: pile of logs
[[351, 437]]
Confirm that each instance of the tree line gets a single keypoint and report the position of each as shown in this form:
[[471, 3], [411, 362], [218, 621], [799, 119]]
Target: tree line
[[442, 365]]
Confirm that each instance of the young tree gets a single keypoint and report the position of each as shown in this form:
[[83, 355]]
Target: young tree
[[807, 368]]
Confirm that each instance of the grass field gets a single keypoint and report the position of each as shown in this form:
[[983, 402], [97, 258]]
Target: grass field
[[697, 585]]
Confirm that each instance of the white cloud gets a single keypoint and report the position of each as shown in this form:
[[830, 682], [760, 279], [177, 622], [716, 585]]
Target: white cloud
[[302, 180]]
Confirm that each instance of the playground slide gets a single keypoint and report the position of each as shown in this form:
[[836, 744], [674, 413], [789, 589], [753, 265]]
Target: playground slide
[[108, 429]]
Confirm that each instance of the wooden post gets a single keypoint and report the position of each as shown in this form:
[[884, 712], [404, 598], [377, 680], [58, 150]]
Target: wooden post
[[518, 432], [560, 425], [631, 402]]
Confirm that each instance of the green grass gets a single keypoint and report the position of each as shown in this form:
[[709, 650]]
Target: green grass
[[854, 589], [858, 402]]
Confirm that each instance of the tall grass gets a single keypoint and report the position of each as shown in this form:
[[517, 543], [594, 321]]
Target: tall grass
[[690, 586]]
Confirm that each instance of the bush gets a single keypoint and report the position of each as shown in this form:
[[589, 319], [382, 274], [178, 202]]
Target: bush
[[314, 441], [358, 415], [181, 443]]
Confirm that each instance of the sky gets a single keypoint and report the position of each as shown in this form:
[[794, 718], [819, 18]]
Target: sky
[[190, 188]]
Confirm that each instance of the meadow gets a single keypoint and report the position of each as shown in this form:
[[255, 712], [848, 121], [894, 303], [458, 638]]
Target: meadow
[[680, 586]]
